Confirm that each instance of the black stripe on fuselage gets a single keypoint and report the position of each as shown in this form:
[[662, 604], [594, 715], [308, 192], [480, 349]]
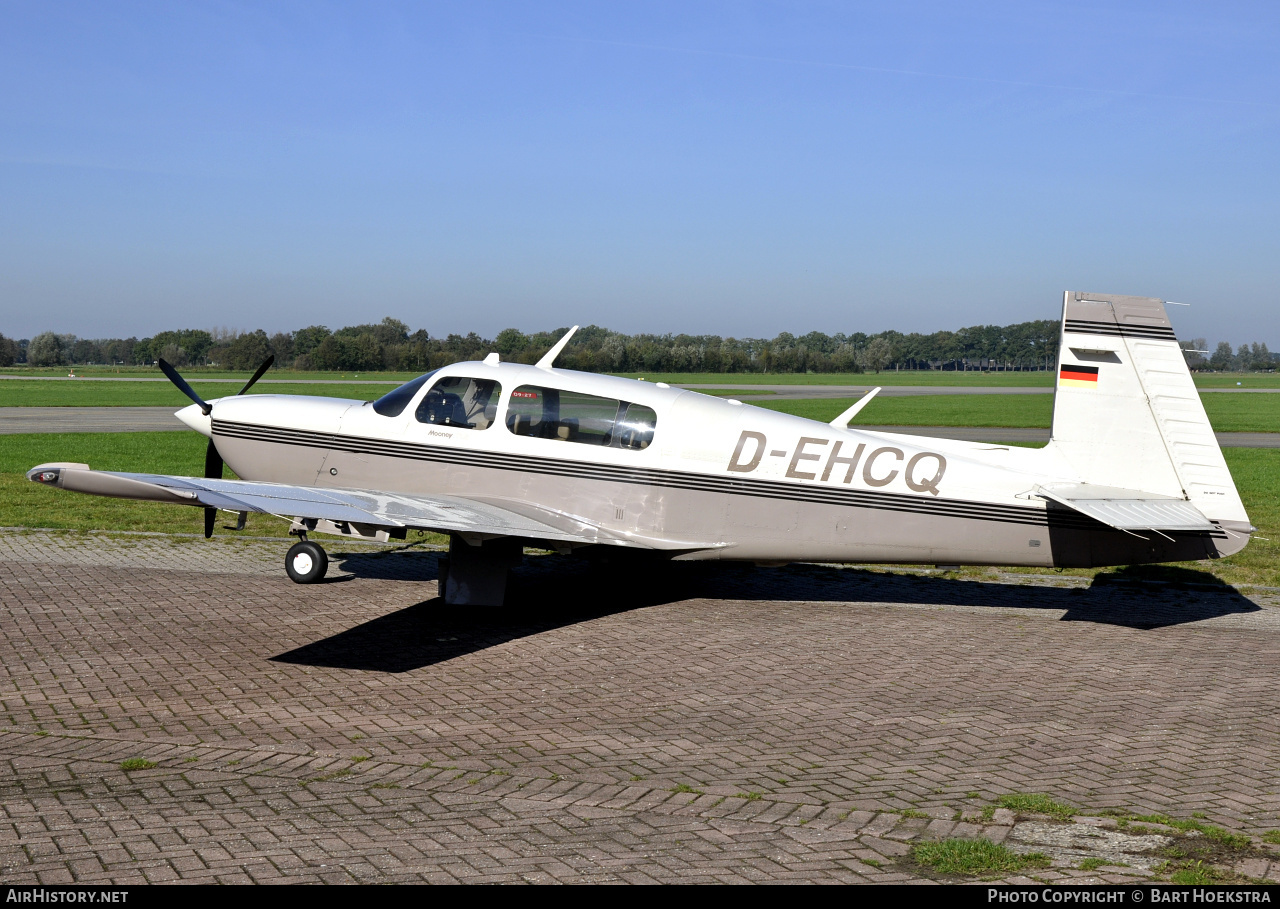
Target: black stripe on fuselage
[[671, 479], [1089, 327]]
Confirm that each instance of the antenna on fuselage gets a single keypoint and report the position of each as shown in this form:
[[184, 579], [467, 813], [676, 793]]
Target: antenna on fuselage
[[842, 421], [550, 356]]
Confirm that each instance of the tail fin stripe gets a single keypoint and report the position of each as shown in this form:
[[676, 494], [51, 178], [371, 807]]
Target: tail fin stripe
[[1132, 331]]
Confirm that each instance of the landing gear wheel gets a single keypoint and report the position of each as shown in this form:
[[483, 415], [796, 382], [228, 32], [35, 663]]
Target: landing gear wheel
[[306, 562]]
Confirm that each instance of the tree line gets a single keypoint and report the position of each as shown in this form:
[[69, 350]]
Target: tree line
[[389, 345], [1246, 358]]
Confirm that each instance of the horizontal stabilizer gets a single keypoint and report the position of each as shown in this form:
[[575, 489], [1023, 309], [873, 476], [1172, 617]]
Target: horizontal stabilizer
[[1127, 509]]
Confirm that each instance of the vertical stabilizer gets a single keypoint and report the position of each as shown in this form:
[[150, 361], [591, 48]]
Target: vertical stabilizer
[[1126, 412]]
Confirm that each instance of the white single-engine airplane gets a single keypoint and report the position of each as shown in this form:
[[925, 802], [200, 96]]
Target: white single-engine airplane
[[503, 455]]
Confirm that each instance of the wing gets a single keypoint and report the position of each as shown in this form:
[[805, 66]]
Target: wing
[[380, 510]]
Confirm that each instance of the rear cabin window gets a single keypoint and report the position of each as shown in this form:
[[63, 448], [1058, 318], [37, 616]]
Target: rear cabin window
[[393, 403], [462, 402], [568, 416]]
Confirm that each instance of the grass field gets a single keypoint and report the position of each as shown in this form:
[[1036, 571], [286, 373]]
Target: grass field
[[928, 410], [198, 372], [1234, 379], [26, 504], [1227, 413], [1029, 379], [924, 377], [162, 394], [158, 394], [1040, 379]]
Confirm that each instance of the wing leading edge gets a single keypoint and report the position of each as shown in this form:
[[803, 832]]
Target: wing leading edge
[[444, 514]]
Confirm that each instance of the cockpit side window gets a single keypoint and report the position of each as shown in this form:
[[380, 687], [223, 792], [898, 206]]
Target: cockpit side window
[[635, 427], [569, 416], [461, 402], [393, 403]]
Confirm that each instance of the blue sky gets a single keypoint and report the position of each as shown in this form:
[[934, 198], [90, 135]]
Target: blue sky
[[734, 168]]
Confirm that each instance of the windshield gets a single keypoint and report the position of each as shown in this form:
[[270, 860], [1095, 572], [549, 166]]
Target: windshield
[[393, 403]]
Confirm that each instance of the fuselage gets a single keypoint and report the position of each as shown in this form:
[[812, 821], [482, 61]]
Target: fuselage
[[643, 458]]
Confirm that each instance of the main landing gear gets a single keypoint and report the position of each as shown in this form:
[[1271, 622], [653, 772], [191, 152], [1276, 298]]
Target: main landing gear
[[475, 574], [306, 562]]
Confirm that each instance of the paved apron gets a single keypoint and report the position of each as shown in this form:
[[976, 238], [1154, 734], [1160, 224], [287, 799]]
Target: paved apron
[[715, 723]]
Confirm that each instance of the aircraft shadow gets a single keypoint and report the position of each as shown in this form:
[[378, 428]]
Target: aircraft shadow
[[549, 592], [1123, 597], [433, 632], [391, 565]]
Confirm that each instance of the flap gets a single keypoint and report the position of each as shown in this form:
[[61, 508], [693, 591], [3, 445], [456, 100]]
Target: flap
[[1127, 509]]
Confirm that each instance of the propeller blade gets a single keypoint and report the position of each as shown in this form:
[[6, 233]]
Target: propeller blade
[[266, 364], [212, 459], [183, 387], [213, 470], [212, 462]]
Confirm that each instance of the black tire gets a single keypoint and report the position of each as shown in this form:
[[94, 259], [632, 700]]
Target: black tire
[[306, 562]]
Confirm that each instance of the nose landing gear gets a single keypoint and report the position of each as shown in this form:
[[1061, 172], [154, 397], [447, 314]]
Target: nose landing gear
[[306, 562]]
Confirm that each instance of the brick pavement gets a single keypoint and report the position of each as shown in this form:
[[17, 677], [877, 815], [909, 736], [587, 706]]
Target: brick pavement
[[714, 723]]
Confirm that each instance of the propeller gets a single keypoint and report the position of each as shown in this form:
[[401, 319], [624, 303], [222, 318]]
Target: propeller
[[266, 364], [212, 460], [186, 389]]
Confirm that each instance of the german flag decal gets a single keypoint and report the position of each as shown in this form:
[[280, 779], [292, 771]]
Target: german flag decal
[[1079, 376]]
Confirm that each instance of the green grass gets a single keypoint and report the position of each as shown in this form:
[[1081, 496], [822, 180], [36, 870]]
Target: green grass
[[159, 394], [1209, 831], [1037, 379], [889, 377], [1194, 872], [929, 410], [203, 372], [160, 452], [1243, 413], [27, 504], [922, 377], [1230, 379], [1227, 413], [1272, 837], [137, 764], [1257, 475], [974, 857], [1036, 803]]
